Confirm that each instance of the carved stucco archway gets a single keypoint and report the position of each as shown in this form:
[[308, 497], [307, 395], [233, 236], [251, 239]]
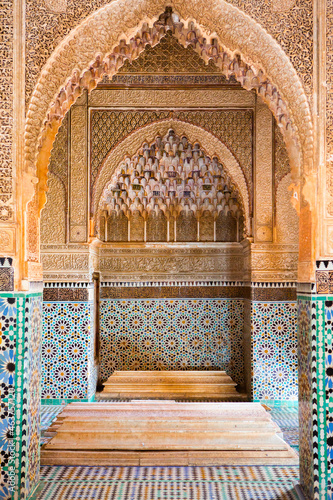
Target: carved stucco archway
[[213, 147], [218, 31]]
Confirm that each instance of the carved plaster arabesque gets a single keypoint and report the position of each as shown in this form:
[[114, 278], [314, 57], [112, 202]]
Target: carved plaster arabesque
[[7, 240], [281, 160], [174, 98], [53, 217], [151, 262], [328, 193], [264, 173], [277, 65], [282, 5], [134, 141], [42, 31], [6, 112], [204, 263], [59, 155], [56, 6], [287, 224], [78, 174]]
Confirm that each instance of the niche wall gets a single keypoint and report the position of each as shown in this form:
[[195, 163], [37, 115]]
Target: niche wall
[[170, 183], [162, 328]]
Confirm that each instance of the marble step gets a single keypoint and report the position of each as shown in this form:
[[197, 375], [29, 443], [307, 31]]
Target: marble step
[[165, 433], [170, 385]]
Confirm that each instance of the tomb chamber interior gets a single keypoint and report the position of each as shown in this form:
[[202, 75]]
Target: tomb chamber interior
[[169, 241]]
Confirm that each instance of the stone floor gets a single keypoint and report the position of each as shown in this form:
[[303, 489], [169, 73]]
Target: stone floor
[[174, 483]]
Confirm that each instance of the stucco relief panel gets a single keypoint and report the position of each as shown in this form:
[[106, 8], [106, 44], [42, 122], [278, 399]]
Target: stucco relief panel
[[58, 164], [6, 111], [287, 222], [271, 58], [53, 218], [68, 261], [290, 23], [264, 173], [274, 262], [329, 130], [171, 264], [281, 159], [78, 174], [172, 97]]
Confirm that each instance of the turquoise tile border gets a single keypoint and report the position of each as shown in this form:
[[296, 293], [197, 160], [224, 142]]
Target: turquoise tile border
[[320, 409], [54, 402], [24, 317], [277, 403]]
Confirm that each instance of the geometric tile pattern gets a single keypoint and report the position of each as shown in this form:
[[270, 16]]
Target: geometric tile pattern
[[172, 334], [316, 401], [328, 388], [8, 342], [20, 319], [307, 446], [68, 351], [274, 351], [32, 377], [6, 274], [169, 483]]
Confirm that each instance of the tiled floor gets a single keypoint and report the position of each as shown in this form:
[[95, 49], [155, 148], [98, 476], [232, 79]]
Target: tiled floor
[[174, 483], [168, 483]]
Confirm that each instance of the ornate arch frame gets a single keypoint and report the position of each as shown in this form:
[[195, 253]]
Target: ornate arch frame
[[109, 36], [131, 144]]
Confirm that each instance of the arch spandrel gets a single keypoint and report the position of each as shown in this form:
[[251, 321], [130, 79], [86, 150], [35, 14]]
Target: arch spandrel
[[92, 49], [213, 146], [88, 44]]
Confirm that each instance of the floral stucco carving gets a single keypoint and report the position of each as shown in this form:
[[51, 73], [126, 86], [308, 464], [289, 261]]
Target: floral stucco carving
[[282, 5], [291, 28], [286, 217], [134, 141], [53, 219], [56, 6], [246, 51]]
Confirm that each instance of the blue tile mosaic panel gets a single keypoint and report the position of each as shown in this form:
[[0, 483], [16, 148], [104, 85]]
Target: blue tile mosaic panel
[[32, 375], [274, 351], [328, 385], [172, 334], [8, 340], [305, 394], [20, 393], [68, 365]]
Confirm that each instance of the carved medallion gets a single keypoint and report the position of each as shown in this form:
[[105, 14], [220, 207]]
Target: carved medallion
[[56, 6], [282, 5]]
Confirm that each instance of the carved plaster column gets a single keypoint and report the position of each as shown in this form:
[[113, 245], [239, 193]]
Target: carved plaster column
[[263, 175], [78, 189], [315, 300]]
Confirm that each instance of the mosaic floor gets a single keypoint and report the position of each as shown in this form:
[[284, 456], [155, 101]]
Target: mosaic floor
[[173, 483]]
